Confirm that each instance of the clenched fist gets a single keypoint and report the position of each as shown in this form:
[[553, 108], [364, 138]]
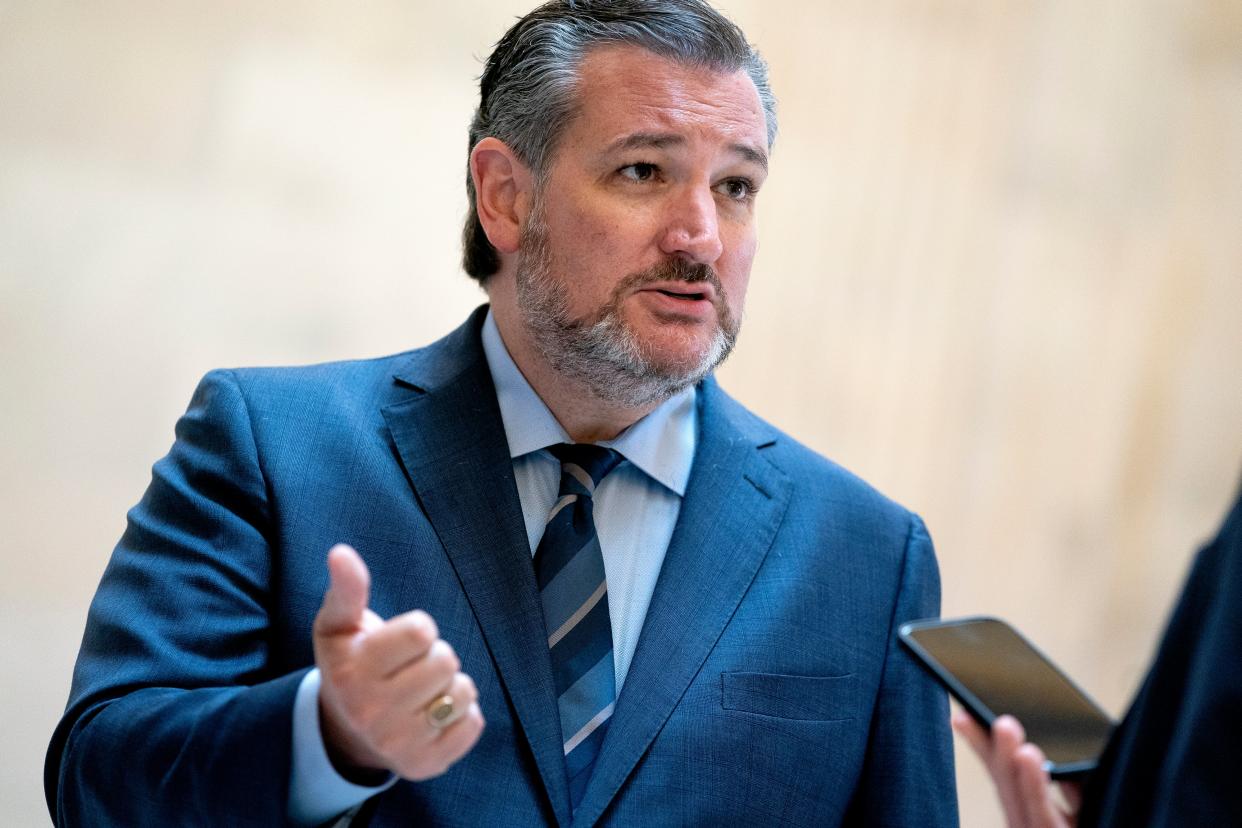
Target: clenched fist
[[381, 680]]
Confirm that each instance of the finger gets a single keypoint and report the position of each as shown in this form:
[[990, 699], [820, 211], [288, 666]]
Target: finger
[[1072, 792], [431, 676], [414, 686], [424, 762], [983, 744], [973, 733], [405, 731], [349, 590], [463, 693], [1035, 789], [1009, 729], [1007, 738], [456, 740], [397, 643]]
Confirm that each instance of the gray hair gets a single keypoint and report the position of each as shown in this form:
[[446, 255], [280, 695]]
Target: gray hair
[[527, 91]]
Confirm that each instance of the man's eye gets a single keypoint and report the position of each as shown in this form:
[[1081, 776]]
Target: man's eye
[[639, 172], [738, 189]]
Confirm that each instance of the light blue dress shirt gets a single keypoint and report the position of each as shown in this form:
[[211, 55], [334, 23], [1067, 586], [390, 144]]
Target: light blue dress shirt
[[636, 509]]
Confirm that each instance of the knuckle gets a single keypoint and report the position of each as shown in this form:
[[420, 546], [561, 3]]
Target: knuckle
[[426, 623], [450, 656], [443, 658], [420, 636], [469, 691]]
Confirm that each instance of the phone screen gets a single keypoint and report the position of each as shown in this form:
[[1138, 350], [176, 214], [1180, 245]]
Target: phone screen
[[993, 670]]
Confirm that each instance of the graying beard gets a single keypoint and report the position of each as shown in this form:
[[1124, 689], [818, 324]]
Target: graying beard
[[603, 355]]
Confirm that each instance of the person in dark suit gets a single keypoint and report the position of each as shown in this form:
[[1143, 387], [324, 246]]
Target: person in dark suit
[[1174, 760], [581, 584]]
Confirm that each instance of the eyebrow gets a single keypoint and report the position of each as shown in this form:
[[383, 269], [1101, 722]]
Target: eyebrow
[[660, 140]]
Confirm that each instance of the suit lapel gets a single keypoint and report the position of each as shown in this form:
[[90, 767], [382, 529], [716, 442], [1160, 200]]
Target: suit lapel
[[450, 438], [733, 505]]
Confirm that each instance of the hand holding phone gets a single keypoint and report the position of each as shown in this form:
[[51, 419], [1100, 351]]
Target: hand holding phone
[[992, 670], [1028, 796]]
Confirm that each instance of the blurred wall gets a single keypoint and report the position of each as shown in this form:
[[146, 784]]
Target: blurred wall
[[1000, 276]]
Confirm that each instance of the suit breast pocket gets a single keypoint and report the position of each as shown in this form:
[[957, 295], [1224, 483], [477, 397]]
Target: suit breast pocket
[[805, 698]]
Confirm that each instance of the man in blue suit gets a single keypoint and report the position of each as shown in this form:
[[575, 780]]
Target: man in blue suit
[[736, 661]]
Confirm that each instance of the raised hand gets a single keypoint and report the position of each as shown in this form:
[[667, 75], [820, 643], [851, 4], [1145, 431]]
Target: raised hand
[[392, 695]]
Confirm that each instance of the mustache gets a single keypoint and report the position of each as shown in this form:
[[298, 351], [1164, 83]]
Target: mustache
[[674, 270]]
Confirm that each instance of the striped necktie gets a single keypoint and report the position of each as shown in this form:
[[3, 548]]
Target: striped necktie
[[570, 570]]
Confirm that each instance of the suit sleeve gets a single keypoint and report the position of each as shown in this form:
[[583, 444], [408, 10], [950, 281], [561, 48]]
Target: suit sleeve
[[908, 778], [1174, 758], [175, 716]]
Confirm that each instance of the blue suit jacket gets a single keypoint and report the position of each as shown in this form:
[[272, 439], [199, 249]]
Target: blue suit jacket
[[767, 686]]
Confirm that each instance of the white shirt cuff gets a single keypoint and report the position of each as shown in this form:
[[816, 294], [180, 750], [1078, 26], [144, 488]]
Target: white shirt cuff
[[317, 793]]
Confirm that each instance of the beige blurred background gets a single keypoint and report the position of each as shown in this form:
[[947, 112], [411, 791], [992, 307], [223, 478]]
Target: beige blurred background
[[1000, 277]]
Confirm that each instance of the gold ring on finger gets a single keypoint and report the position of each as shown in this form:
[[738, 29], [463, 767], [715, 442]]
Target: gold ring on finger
[[442, 711]]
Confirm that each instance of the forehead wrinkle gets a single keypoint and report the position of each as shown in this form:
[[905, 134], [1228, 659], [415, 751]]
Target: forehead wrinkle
[[680, 108], [677, 122]]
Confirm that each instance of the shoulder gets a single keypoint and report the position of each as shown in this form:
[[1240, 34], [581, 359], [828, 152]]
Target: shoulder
[[837, 533], [821, 483], [361, 382], [342, 382], [265, 408]]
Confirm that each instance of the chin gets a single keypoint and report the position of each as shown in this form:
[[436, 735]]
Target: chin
[[673, 356], [675, 342]]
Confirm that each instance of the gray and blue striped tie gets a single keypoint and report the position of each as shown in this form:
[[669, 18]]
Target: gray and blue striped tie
[[574, 591]]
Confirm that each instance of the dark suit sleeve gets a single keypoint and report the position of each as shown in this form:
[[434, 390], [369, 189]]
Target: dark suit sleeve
[[908, 778], [174, 717], [1174, 760]]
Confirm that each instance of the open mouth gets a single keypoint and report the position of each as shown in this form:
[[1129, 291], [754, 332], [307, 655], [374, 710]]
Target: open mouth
[[694, 297]]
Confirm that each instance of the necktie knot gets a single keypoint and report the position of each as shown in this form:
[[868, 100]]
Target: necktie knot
[[583, 466]]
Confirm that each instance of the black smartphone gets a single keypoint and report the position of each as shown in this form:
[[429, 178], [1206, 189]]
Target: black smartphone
[[992, 669]]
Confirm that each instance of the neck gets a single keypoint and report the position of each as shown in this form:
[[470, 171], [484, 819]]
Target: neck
[[583, 415]]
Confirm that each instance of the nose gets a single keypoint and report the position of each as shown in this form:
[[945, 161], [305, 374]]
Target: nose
[[691, 229]]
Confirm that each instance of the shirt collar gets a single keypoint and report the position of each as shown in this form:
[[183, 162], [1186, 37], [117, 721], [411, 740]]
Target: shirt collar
[[661, 444]]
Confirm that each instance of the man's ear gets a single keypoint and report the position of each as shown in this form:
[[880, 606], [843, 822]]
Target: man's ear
[[502, 188]]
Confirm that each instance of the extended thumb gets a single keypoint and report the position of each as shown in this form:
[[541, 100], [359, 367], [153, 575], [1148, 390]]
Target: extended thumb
[[348, 592]]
